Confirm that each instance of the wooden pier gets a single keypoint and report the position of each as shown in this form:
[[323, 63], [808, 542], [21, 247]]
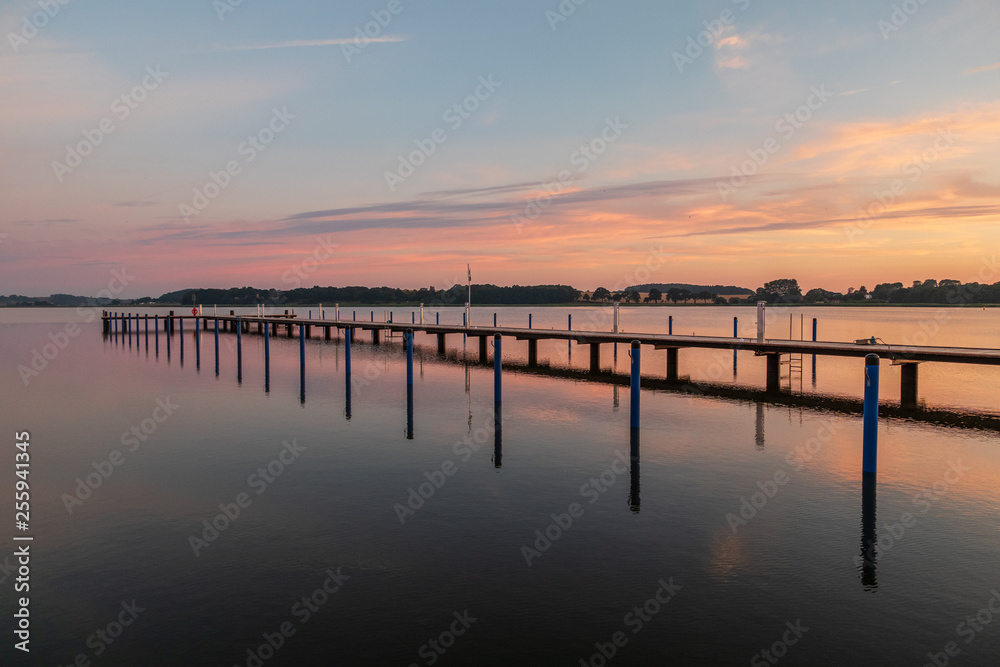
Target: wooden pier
[[908, 356]]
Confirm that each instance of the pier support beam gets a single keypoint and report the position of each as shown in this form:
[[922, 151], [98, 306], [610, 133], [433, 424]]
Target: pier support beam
[[673, 374], [773, 373], [260, 327], [375, 340], [309, 331], [482, 350], [532, 352], [326, 333], [595, 357], [908, 385], [441, 348]]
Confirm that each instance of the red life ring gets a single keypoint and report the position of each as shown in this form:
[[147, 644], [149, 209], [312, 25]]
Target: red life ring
[[194, 311]]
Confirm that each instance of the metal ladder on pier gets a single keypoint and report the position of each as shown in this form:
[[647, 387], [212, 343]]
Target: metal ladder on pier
[[794, 361]]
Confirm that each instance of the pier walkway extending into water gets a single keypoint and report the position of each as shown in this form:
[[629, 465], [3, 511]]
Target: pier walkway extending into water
[[908, 356]]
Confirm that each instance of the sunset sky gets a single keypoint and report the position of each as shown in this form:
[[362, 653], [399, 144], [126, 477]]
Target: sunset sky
[[229, 143]]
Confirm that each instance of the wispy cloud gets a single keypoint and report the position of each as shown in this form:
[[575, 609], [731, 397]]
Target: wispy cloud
[[988, 68], [337, 41]]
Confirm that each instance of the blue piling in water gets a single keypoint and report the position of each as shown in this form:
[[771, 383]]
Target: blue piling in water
[[156, 333], [634, 398], [736, 334], [670, 325], [354, 316], [569, 322], [310, 314], [197, 343], [114, 320], [409, 357], [497, 364], [870, 438], [128, 330], [180, 329], [348, 335], [216, 347], [147, 332], [413, 317], [373, 316], [437, 318], [302, 363], [239, 351], [529, 320], [494, 320], [267, 357], [814, 356]]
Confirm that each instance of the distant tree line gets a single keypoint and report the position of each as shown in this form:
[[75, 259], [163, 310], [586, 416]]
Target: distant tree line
[[950, 292], [458, 294]]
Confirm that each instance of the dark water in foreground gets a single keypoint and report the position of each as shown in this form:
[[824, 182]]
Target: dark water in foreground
[[323, 498]]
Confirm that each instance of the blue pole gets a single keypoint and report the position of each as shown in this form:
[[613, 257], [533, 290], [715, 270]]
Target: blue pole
[[156, 330], [409, 357], [463, 320], [670, 325], [310, 314], [529, 320], [302, 361], [267, 356], [354, 316], [494, 320], [413, 317], [147, 332], [437, 318], [634, 411], [197, 343], [569, 324], [348, 335], [870, 448], [814, 356], [180, 328], [239, 350], [128, 329], [497, 363], [373, 316], [114, 318], [216, 347], [736, 334]]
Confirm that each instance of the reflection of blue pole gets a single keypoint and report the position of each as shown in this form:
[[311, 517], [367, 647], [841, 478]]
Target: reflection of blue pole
[[870, 448], [670, 325], [634, 413]]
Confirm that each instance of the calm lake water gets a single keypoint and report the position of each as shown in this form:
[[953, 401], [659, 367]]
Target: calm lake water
[[740, 530]]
